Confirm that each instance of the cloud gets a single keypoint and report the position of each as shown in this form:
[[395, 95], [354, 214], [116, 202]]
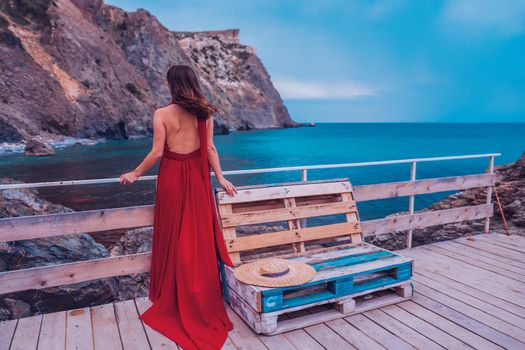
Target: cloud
[[497, 16], [296, 89]]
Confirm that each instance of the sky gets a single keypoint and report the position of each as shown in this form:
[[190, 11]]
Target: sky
[[376, 60]]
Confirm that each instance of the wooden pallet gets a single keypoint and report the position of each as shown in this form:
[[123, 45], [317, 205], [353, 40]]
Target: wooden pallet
[[270, 323], [346, 266]]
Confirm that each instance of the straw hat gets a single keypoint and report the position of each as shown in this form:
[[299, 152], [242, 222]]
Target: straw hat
[[274, 272]]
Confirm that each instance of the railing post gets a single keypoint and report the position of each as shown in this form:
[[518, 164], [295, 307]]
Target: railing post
[[304, 177], [411, 203], [489, 192], [304, 174]]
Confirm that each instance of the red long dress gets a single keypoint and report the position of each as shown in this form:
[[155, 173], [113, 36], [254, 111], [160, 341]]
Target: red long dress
[[187, 243]]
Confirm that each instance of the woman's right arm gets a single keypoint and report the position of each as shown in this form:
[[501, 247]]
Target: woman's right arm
[[159, 137]]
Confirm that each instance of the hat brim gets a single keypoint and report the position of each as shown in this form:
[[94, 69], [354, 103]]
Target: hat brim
[[299, 273]]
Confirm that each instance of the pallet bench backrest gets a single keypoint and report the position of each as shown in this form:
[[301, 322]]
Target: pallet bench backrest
[[291, 203]]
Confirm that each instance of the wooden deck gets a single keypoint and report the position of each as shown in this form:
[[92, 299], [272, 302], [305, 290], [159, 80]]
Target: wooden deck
[[469, 293]]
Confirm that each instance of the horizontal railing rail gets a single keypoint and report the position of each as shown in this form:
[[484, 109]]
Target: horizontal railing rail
[[40, 226], [251, 171]]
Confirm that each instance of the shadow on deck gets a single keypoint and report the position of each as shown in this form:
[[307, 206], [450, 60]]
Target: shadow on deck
[[469, 293]]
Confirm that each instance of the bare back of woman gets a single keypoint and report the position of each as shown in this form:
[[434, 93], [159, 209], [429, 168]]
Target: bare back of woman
[[182, 134]]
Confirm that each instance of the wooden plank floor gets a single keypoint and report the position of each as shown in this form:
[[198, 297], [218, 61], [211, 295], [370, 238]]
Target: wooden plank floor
[[469, 293]]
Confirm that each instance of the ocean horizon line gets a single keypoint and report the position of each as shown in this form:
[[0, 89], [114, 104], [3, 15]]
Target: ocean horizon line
[[405, 122]]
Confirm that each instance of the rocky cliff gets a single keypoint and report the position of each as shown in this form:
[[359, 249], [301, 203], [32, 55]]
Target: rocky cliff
[[82, 68]]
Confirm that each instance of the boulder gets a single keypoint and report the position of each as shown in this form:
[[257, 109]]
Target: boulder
[[37, 147]]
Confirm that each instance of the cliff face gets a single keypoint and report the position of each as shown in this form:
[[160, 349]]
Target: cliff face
[[235, 78], [85, 69]]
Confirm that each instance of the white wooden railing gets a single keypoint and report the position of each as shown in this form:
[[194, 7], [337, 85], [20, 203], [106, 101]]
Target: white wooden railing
[[39, 226]]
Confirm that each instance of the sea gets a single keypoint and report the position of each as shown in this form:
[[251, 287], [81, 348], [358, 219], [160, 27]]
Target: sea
[[325, 143]]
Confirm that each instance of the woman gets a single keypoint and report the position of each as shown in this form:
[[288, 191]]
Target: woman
[[187, 239]]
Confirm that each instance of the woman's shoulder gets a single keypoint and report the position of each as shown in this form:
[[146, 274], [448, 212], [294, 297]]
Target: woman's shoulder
[[162, 112], [165, 109]]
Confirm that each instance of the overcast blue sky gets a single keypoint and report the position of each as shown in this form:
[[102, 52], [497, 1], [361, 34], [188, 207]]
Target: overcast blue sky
[[386, 60]]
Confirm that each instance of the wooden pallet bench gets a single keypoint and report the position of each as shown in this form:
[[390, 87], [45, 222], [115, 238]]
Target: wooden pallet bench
[[352, 275]]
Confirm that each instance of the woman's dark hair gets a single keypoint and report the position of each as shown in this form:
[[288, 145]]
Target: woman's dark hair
[[186, 92]]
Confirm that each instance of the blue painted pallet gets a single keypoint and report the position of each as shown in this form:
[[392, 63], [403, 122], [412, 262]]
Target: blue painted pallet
[[338, 277]]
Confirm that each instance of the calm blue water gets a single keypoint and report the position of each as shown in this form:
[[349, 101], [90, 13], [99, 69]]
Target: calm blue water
[[326, 143]]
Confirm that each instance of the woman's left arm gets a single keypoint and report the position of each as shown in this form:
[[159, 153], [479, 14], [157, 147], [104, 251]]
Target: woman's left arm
[[213, 157], [159, 137]]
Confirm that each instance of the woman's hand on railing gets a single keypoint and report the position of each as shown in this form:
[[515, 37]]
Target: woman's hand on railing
[[128, 178], [228, 186]]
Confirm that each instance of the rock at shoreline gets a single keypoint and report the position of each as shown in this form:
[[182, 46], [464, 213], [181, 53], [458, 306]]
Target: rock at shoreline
[[510, 184], [84, 69], [37, 147], [220, 127], [133, 242], [47, 251]]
